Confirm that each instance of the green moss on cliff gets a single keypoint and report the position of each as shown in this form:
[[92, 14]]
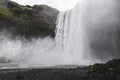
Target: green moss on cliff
[[20, 7], [26, 20], [98, 68], [15, 11], [107, 71], [5, 11]]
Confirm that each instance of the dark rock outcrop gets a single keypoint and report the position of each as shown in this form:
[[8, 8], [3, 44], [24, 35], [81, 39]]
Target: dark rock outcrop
[[27, 21], [108, 71]]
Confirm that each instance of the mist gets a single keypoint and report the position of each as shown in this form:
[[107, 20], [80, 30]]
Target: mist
[[37, 52]]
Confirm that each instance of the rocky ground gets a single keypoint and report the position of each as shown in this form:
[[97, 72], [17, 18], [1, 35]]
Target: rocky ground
[[107, 71]]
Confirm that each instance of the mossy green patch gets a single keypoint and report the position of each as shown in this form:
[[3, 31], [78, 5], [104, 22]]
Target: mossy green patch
[[5, 11], [26, 20], [15, 12], [21, 7], [98, 68]]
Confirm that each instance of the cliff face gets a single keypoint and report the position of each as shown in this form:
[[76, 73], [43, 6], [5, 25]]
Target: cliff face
[[27, 21]]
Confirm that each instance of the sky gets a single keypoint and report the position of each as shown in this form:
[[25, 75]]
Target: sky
[[58, 4]]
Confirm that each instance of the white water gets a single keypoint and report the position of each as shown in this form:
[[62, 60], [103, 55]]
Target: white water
[[89, 31], [83, 34], [37, 53]]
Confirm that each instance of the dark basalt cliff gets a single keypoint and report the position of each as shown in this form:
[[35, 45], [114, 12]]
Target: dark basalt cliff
[[27, 21]]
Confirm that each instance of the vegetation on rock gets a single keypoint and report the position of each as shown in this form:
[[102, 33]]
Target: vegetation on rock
[[108, 71], [26, 20]]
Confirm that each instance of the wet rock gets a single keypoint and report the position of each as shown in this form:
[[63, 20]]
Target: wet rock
[[93, 72]]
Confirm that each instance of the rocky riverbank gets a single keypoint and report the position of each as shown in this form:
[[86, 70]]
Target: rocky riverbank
[[107, 71]]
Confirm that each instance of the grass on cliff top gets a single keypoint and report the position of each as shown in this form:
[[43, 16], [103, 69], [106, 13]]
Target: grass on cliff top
[[21, 7], [5, 11], [14, 11]]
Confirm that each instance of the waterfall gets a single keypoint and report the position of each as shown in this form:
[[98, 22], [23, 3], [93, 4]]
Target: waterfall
[[70, 33], [89, 31], [62, 26]]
